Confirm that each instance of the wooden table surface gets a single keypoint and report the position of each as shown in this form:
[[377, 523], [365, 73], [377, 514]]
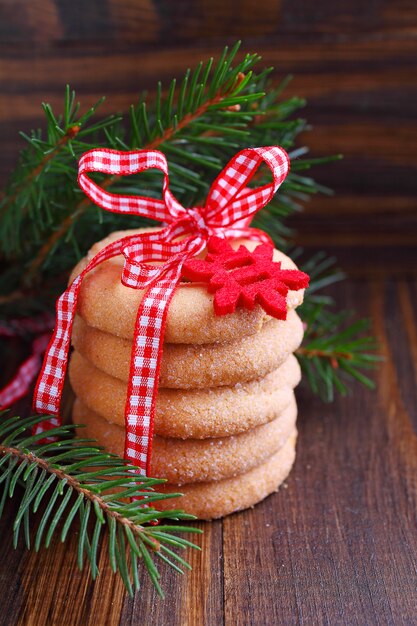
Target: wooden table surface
[[336, 545]]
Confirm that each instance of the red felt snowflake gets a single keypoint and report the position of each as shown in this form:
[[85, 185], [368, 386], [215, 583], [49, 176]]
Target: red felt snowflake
[[244, 278]]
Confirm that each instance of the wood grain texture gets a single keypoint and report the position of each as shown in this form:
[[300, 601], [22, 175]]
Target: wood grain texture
[[355, 62], [336, 545]]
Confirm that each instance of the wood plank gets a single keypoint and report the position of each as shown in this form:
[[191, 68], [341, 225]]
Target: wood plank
[[58, 593], [325, 70], [48, 588], [367, 206], [12, 569], [144, 21], [196, 598], [333, 548], [337, 239]]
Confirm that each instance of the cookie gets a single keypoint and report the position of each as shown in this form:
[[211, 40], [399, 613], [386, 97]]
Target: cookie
[[106, 304], [195, 460], [216, 499], [187, 366], [196, 413]]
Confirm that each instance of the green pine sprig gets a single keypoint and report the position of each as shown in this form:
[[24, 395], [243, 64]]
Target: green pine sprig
[[335, 351], [72, 481], [199, 122], [47, 224]]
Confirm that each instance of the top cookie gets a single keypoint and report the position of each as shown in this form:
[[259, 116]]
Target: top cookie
[[105, 303]]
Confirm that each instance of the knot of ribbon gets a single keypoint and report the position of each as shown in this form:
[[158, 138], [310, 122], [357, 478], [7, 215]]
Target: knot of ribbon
[[228, 210]]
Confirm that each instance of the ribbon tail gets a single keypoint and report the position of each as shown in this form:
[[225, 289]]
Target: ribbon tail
[[19, 386], [48, 390], [50, 382], [144, 370]]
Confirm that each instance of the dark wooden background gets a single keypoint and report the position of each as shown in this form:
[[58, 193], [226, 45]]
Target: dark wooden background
[[338, 545], [355, 62]]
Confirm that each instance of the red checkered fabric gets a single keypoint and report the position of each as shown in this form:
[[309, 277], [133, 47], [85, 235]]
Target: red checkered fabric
[[20, 384], [24, 326], [227, 213]]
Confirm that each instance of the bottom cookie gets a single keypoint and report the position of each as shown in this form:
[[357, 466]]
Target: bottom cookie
[[216, 499]]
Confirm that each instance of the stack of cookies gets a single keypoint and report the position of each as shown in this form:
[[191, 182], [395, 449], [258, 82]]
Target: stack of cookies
[[225, 420]]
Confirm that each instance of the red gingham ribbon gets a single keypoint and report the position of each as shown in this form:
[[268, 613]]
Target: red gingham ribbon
[[20, 384], [229, 207]]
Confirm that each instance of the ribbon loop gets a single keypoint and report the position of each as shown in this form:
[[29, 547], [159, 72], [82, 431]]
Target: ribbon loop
[[230, 199], [123, 164]]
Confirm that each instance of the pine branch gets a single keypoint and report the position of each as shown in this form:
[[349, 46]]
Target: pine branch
[[166, 135], [213, 112], [199, 123], [334, 352], [75, 479], [70, 133]]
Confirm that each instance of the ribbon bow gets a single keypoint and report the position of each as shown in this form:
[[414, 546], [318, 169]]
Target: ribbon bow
[[228, 210]]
